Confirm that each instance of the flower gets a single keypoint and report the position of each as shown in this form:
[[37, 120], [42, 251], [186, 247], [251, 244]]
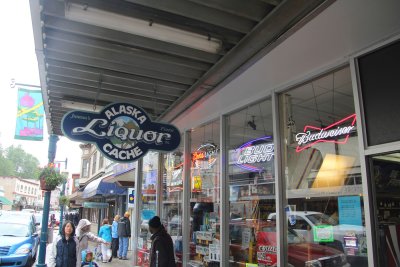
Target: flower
[[50, 178]]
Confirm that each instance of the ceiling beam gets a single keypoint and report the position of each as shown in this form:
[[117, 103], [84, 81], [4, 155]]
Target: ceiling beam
[[203, 14], [82, 78], [105, 87], [121, 58], [253, 10], [143, 81], [98, 63]]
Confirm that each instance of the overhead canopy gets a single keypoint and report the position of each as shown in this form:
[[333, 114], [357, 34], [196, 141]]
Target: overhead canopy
[[92, 53], [5, 201], [99, 187]]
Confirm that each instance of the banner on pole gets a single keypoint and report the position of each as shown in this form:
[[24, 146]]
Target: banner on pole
[[30, 116]]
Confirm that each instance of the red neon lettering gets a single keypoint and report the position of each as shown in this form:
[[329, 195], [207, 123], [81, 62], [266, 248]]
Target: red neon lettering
[[307, 138]]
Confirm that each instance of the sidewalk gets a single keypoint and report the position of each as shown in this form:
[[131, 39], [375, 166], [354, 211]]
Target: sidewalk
[[114, 263]]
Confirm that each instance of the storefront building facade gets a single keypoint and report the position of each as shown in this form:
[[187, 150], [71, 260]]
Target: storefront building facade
[[293, 162]]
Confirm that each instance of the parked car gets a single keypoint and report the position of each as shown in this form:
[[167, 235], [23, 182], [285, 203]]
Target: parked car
[[28, 210], [300, 252], [346, 237], [19, 239]]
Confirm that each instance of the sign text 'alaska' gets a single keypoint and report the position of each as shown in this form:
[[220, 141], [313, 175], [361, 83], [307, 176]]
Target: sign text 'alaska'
[[122, 132]]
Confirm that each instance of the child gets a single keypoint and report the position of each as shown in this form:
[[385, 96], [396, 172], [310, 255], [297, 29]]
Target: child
[[87, 259]]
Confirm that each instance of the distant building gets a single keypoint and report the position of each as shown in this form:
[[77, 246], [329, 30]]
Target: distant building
[[23, 193]]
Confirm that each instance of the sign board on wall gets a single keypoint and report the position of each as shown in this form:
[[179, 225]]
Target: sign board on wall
[[131, 197], [350, 210], [122, 132]]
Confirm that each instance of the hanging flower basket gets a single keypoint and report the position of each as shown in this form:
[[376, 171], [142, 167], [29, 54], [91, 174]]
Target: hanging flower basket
[[64, 201], [50, 178]]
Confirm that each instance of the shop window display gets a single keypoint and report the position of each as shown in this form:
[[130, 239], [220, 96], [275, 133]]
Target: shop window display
[[148, 205], [205, 196], [172, 199], [252, 186], [322, 169]]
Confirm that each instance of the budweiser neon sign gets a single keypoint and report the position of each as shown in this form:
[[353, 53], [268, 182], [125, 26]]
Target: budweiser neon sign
[[312, 135]]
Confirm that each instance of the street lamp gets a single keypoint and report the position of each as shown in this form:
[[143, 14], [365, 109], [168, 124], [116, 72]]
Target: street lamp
[[46, 206]]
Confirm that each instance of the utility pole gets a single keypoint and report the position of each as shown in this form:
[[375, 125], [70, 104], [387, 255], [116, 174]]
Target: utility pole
[[46, 206]]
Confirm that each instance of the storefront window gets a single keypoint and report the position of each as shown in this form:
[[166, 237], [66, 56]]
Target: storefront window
[[204, 196], [148, 205], [172, 199], [324, 207], [252, 186]]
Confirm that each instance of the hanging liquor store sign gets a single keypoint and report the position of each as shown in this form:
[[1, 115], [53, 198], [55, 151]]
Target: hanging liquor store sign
[[337, 132], [122, 132]]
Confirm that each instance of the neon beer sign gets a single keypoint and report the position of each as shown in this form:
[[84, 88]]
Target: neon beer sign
[[254, 151], [312, 135], [205, 153]]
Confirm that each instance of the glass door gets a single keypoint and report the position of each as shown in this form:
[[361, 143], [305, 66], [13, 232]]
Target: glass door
[[385, 174]]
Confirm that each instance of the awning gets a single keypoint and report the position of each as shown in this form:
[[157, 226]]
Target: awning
[[99, 187], [124, 179], [5, 201], [76, 195], [95, 205]]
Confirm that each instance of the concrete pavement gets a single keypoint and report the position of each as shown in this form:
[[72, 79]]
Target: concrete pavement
[[114, 263]]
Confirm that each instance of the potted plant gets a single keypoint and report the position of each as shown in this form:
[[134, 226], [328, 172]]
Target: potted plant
[[50, 178], [64, 201]]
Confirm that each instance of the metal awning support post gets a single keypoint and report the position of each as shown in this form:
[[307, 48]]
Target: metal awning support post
[[62, 193], [46, 206]]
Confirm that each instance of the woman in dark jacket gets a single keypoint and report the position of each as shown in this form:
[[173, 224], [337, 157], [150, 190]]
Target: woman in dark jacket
[[65, 248], [162, 248]]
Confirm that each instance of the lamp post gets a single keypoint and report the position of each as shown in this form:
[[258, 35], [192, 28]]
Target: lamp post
[[46, 206]]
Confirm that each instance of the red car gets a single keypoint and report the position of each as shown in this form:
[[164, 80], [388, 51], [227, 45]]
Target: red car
[[263, 250]]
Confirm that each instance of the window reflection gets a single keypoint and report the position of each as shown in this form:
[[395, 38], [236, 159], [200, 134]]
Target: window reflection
[[322, 170], [252, 237]]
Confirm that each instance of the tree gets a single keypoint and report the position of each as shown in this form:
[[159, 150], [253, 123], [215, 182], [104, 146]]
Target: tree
[[6, 166], [14, 161]]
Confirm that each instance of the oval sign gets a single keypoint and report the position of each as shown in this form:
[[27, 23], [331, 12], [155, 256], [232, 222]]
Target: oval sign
[[122, 132]]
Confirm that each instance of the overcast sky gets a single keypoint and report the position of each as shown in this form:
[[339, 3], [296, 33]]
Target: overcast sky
[[18, 61]]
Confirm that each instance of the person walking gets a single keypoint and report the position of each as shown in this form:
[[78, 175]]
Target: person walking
[[114, 235], [65, 248], [124, 233], [162, 247], [84, 236], [105, 233]]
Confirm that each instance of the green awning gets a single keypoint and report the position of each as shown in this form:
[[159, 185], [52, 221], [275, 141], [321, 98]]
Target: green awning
[[5, 201], [95, 205]]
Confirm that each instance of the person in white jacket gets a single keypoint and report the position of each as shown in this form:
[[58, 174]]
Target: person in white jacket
[[65, 248], [84, 236]]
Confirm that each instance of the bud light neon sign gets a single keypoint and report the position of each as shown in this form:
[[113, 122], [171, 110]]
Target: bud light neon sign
[[122, 132], [255, 151], [312, 135]]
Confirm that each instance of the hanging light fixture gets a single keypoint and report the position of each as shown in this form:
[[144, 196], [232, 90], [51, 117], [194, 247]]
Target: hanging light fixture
[[98, 17]]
